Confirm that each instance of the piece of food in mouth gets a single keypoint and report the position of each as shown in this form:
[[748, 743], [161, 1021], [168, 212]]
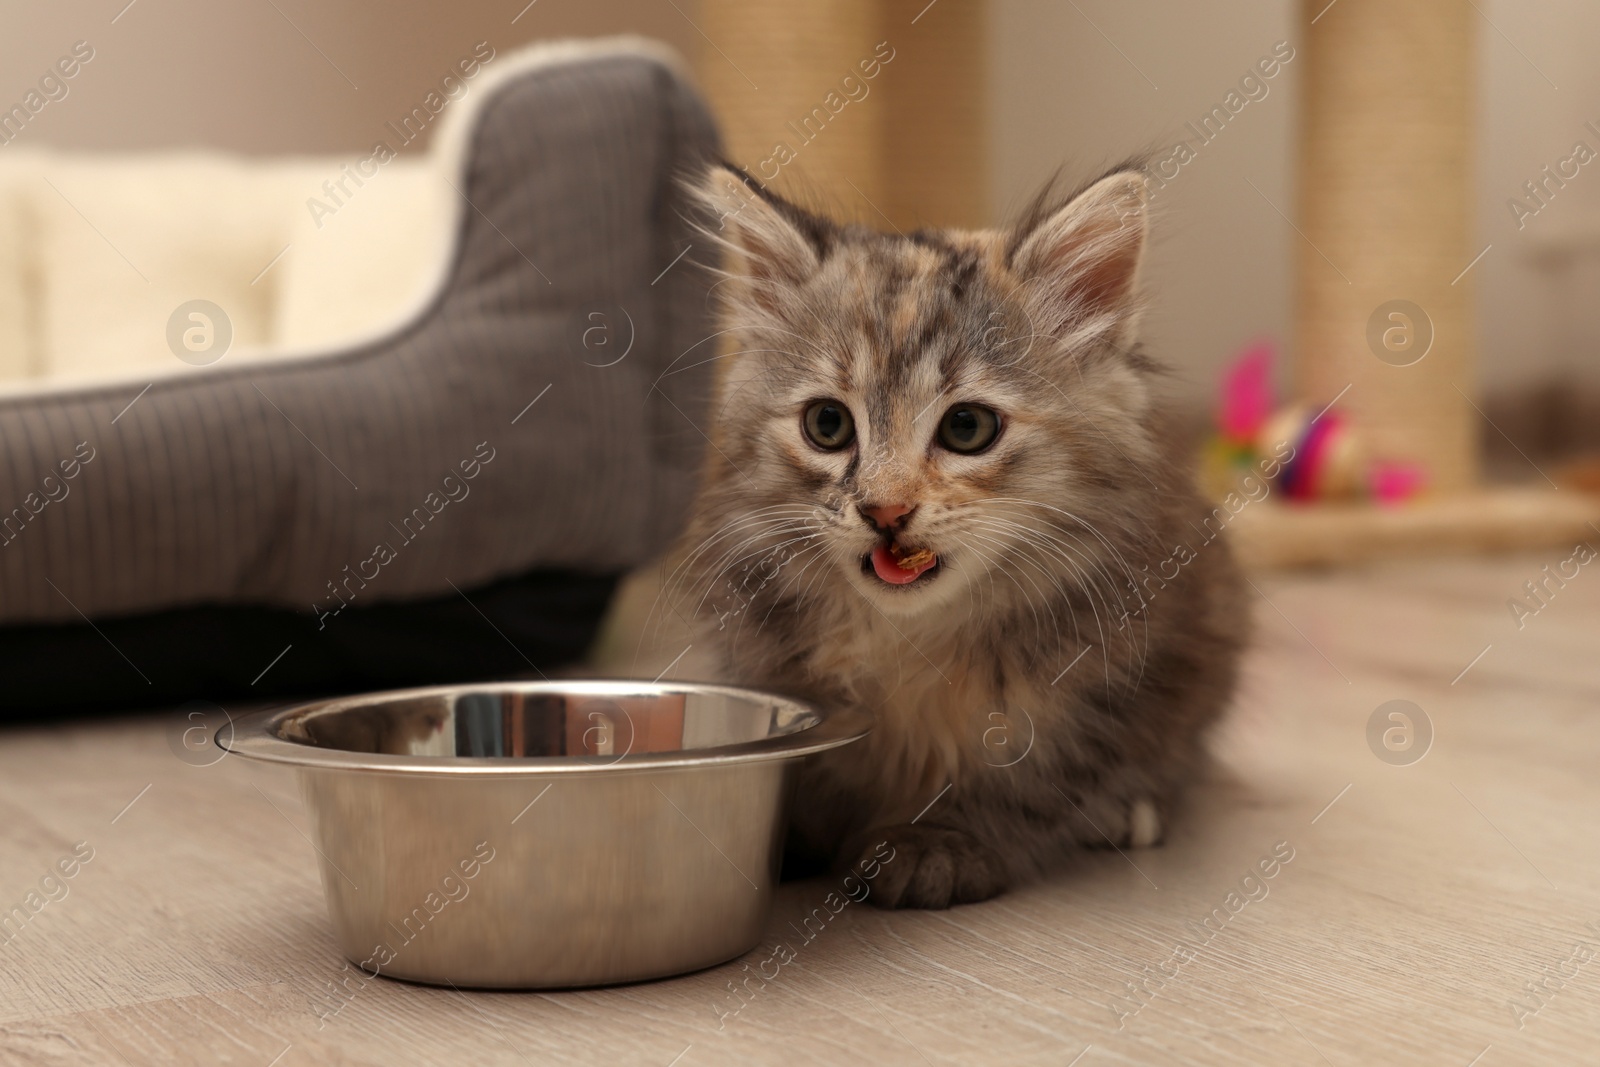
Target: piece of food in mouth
[[910, 561], [897, 566]]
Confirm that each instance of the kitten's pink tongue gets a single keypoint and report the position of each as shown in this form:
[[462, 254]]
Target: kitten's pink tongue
[[888, 568]]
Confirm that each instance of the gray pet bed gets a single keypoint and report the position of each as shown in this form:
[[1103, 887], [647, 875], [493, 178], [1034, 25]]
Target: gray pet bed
[[453, 500]]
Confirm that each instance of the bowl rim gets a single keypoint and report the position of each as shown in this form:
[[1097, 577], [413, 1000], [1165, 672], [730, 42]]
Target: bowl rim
[[256, 737]]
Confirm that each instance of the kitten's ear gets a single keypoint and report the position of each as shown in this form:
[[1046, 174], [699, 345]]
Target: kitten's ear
[[1083, 258], [772, 240]]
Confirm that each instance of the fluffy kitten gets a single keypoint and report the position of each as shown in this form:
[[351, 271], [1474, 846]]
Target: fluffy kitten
[[939, 491]]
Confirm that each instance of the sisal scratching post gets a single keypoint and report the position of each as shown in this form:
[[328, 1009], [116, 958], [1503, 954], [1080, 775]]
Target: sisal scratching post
[[936, 151], [1386, 196], [902, 148], [769, 70], [1384, 295]]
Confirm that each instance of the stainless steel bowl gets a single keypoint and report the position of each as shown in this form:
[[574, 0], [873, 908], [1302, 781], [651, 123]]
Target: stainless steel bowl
[[545, 834]]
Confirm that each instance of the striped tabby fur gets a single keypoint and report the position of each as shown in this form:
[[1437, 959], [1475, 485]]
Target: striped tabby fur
[[1046, 686]]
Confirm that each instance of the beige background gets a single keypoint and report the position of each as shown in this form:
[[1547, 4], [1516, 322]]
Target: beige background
[[1081, 84], [239, 76]]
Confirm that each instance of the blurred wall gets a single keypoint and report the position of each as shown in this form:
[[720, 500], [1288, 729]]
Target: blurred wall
[[1076, 85], [275, 76], [872, 110], [1538, 285], [1087, 82], [1083, 85]]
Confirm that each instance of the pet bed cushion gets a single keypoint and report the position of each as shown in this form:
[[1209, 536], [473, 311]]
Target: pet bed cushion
[[520, 421]]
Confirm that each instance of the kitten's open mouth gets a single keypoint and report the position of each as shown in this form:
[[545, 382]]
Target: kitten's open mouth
[[897, 565]]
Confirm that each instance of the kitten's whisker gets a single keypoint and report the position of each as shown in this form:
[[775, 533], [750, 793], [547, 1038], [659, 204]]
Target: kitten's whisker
[[687, 565], [997, 562], [686, 351], [1055, 623], [988, 573], [1130, 684], [776, 599], [769, 328], [1088, 585], [687, 568], [1085, 523], [1142, 651], [809, 585], [718, 571], [727, 355], [1120, 560], [818, 551], [765, 514], [1062, 593], [760, 548], [1033, 538]]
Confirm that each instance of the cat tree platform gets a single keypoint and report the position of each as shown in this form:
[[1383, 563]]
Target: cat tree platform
[[1386, 215], [1270, 535]]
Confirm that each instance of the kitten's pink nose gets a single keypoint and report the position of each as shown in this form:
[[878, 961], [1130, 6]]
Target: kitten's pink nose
[[887, 516]]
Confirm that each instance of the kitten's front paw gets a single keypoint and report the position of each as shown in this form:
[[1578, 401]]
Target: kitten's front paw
[[928, 867]]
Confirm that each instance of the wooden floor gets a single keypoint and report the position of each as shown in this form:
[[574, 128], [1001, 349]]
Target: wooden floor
[[1420, 902]]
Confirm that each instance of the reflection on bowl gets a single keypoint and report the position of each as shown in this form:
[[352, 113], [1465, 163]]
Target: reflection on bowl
[[563, 721], [531, 835]]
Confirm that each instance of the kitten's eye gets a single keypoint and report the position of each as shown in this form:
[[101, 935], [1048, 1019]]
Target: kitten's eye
[[968, 428], [829, 425]]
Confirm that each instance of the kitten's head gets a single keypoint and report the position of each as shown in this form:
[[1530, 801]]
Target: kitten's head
[[930, 418]]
